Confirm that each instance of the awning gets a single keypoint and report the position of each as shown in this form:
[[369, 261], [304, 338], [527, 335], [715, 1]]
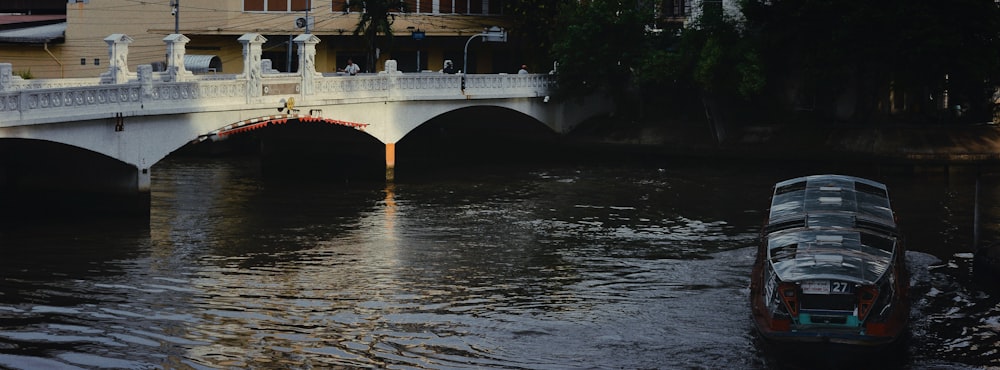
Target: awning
[[35, 35], [202, 63]]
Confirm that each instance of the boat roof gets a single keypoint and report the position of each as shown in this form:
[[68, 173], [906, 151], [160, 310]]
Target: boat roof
[[831, 227], [822, 198]]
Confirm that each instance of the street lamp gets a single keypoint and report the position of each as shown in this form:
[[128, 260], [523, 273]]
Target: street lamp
[[492, 34], [175, 10], [417, 35]]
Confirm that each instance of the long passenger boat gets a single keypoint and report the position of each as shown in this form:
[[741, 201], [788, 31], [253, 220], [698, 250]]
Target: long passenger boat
[[830, 266]]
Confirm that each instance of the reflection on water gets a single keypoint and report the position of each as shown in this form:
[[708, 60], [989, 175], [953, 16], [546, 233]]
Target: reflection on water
[[518, 267]]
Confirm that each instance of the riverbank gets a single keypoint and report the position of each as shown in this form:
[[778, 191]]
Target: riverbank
[[940, 144]]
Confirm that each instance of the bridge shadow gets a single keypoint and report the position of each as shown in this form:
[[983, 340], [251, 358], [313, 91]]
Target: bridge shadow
[[475, 138], [303, 151], [43, 180]]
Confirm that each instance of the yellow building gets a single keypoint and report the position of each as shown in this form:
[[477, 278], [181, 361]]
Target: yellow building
[[214, 26]]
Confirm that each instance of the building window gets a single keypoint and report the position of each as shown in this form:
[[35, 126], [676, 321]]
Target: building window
[[675, 8], [275, 5], [419, 6], [712, 9], [471, 7], [340, 6]]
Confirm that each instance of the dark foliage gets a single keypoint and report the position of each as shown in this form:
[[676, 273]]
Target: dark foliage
[[376, 17]]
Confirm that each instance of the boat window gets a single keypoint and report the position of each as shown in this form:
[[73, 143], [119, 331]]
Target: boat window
[[798, 186], [830, 200], [874, 226], [869, 189], [879, 242], [785, 252], [785, 225], [829, 239]]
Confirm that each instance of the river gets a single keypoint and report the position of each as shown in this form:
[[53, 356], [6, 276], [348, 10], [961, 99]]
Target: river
[[540, 266]]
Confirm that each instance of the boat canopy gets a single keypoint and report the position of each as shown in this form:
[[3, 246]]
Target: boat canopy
[[830, 227], [847, 255], [822, 199]]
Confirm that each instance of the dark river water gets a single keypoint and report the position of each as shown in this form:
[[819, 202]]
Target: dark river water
[[541, 266]]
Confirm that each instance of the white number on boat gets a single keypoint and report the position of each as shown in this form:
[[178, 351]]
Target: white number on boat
[[839, 287]]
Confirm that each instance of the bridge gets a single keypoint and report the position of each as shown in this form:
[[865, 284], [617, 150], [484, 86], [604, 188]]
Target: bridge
[[131, 120]]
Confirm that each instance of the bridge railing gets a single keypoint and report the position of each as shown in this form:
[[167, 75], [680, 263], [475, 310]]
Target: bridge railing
[[196, 95], [350, 88], [100, 101], [426, 86], [35, 84], [508, 86], [144, 92]]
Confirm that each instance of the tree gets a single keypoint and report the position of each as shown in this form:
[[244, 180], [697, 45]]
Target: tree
[[377, 17], [870, 54], [533, 27], [598, 43], [712, 55]]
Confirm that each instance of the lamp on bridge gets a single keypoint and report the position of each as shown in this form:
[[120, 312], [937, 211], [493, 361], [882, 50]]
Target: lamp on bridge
[[175, 9], [417, 35], [492, 34], [288, 106]]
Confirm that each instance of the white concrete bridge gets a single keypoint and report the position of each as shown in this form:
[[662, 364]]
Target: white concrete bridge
[[138, 118]]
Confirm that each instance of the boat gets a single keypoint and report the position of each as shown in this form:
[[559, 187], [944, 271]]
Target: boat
[[830, 266]]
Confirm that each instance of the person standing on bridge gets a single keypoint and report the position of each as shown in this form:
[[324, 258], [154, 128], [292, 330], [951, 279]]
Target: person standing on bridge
[[524, 70], [351, 69]]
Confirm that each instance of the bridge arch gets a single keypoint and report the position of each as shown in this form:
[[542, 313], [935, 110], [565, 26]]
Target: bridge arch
[[474, 136], [37, 175], [480, 123]]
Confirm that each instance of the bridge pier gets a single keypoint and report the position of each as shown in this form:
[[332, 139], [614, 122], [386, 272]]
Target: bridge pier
[[390, 162], [143, 180]]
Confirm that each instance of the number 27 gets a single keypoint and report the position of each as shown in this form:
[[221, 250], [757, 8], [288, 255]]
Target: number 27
[[838, 286]]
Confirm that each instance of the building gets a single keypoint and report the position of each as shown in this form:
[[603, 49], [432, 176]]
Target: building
[[31, 32], [431, 32]]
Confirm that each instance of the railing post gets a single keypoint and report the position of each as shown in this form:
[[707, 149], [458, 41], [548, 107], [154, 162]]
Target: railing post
[[392, 74], [6, 76], [252, 49], [118, 59], [145, 74], [176, 48], [306, 43]]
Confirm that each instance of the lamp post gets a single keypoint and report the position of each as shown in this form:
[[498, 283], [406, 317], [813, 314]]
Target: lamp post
[[492, 34], [418, 35], [175, 10]]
